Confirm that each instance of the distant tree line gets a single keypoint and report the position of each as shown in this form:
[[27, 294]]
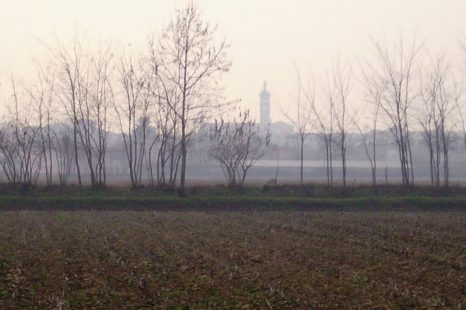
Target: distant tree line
[[159, 98], [405, 87]]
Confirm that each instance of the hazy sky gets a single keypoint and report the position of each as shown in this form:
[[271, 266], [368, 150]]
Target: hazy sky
[[266, 36]]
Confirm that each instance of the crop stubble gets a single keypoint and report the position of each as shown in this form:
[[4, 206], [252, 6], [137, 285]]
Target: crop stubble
[[91, 259]]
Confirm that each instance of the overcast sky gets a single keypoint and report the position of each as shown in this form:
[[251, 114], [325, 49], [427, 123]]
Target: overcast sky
[[266, 36]]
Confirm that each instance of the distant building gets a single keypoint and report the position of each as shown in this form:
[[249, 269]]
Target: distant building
[[265, 107], [281, 133]]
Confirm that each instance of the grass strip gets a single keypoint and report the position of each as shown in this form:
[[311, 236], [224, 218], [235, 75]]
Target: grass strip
[[227, 202]]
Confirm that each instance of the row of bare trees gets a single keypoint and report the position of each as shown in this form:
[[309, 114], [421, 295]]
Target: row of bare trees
[[157, 99], [160, 97], [401, 91]]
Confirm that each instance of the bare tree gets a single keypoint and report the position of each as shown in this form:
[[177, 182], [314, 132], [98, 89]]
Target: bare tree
[[86, 95], [447, 97], [168, 146], [42, 96], [430, 133], [430, 125], [395, 70], [92, 109], [237, 145], [72, 88], [439, 94], [19, 142], [167, 101], [189, 58], [338, 91], [326, 126], [133, 114], [373, 95], [301, 115], [63, 149], [101, 99]]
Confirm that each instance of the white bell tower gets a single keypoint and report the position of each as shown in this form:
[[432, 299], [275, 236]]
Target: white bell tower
[[265, 107]]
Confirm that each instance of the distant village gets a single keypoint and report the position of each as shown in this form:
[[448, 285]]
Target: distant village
[[282, 158]]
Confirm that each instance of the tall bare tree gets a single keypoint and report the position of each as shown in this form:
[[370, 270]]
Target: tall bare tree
[[189, 58], [300, 115], [42, 96], [339, 88], [86, 94], [439, 95], [167, 99], [395, 70], [373, 95], [72, 87], [100, 101], [430, 124], [326, 127], [133, 113], [446, 107]]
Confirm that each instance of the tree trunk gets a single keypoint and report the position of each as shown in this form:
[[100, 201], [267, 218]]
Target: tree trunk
[[302, 160], [78, 170], [183, 156]]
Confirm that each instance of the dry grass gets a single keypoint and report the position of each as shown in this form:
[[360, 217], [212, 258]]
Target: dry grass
[[232, 260]]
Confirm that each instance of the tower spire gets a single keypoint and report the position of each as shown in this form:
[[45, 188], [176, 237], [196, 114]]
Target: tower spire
[[264, 107]]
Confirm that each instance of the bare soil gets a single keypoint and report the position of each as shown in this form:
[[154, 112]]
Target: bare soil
[[279, 260]]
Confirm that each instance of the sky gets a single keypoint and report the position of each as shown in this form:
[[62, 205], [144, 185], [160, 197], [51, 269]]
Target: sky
[[267, 37]]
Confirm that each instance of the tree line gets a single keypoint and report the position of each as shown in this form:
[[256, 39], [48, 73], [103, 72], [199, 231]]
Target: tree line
[[403, 87], [157, 99], [160, 98]]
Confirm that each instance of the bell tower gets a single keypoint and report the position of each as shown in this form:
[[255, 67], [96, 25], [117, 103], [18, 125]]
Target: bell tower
[[265, 107]]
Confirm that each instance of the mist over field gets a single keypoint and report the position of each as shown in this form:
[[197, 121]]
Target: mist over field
[[352, 93], [232, 154]]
